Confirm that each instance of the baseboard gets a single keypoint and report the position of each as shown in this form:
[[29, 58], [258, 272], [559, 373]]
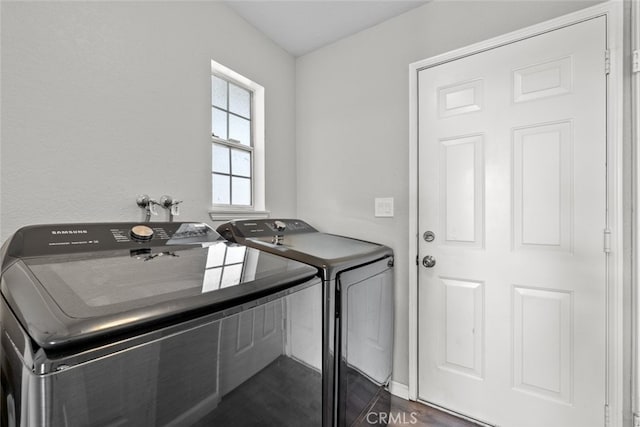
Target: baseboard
[[399, 389]]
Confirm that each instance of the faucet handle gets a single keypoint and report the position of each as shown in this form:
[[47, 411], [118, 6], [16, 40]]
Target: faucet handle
[[143, 200], [166, 201]]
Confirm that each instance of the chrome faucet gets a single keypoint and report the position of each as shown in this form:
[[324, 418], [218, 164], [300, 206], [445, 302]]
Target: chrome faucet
[[171, 205], [148, 204]]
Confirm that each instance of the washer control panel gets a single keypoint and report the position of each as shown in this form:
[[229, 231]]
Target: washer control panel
[[73, 238]]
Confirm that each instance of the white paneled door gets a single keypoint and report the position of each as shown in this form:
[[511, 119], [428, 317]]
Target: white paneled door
[[512, 188]]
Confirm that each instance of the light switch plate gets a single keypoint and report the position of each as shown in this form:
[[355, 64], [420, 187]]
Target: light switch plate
[[384, 207]]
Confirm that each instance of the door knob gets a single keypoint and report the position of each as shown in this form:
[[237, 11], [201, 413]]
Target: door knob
[[428, 261]]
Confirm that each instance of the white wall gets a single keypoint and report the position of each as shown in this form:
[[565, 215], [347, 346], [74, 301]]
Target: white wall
[[102, 101], [353, 122]]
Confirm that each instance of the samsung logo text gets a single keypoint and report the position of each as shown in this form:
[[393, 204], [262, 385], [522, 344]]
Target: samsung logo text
[[56, 232]]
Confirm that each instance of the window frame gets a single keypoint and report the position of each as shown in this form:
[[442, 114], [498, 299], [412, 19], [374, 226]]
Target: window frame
[[256, 149]]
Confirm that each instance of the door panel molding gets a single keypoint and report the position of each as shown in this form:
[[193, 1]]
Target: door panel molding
[[463, 332], [540, 230], [462, 199], [550, 374], [613, 11], [551, 78]]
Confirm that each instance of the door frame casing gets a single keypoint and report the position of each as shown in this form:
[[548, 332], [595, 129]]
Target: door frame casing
[[635, 142], [616, 176]]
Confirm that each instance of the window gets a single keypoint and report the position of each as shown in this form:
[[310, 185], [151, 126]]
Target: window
[[232, 143], [237, 135]]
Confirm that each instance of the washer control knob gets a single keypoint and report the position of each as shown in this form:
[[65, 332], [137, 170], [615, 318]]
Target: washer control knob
[[280, 225], [142, 232]]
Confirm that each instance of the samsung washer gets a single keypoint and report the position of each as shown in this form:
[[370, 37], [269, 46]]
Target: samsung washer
[[158, 324], [356, 301]]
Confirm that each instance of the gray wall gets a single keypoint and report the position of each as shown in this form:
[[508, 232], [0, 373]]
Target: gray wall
[[352, 121], [102, 101]]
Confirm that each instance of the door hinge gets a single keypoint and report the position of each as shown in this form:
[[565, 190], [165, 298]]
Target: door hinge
[[636, 61], [607, 61], [417, 259], [607, 241], [636, 420], [607, 415]]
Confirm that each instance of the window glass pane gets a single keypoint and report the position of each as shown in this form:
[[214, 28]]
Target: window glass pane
[[240, 129], [241, 163], [220, 158], [241, 191], [235, 254], [218, 92], [221, 191], [211, 280], [219, 123], [239, 101], [215, 255], [231, 275]]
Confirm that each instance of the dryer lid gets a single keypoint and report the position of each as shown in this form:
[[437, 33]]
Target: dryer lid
[[297, 240]]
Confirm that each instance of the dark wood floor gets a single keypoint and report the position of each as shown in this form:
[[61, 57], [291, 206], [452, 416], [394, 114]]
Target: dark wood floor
[[404, 413], [288, 394], [284, 394]]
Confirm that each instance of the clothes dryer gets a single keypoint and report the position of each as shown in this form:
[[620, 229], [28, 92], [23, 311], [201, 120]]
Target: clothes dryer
[[356, 302]]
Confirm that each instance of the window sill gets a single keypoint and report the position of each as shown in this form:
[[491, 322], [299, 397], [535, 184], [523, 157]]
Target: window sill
[[226, 215]]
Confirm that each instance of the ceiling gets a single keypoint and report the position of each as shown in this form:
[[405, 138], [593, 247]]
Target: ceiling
[[302, 26]]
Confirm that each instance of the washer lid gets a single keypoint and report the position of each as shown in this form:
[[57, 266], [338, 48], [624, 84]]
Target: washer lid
[[66, 298]]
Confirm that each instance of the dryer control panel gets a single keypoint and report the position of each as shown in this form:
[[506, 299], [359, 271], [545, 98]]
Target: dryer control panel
[[264, 228]]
